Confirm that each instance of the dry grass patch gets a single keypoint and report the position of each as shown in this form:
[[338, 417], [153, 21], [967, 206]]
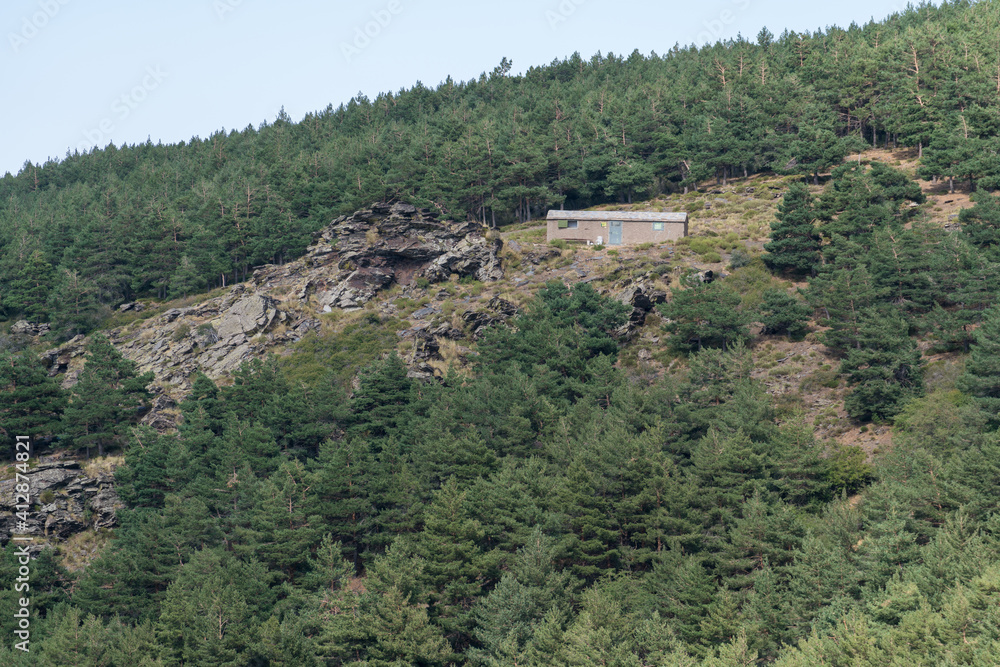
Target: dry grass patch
[[77, 551], [105, 464]]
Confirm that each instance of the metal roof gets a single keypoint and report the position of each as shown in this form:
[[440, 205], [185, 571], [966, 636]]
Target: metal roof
[[624, 216]]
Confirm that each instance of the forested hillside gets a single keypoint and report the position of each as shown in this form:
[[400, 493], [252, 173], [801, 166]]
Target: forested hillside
[[608, 456], [94, 230]]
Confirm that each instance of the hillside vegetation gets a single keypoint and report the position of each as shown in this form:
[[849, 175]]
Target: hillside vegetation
[[90, 231], [790, 461]]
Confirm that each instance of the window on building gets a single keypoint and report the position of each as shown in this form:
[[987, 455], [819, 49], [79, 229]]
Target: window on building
[[657, 226], [572, 224]]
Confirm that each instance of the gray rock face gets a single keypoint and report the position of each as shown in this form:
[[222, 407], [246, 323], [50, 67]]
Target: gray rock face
[[359, 255], [497, 311], [58, 359], [248, 316], [134, 306], [643, 298], [214, 337], [350, 261], [64, 501], [26, 328]]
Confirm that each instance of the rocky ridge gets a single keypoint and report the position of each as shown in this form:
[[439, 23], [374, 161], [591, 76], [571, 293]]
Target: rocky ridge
[[360, 254], [351, 260]]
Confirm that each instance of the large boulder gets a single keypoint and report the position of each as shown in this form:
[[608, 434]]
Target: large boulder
[[642, 297], [250, 315]]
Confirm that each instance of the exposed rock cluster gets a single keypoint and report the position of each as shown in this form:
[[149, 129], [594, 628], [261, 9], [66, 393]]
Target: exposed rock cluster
[[26, 328], [64, 501], [351, 260], [643, 297], [214, 337], [497, 310], [360, 254]]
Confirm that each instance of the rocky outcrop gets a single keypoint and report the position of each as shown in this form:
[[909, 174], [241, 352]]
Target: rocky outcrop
[[26, 328], [59, 359], [214, 337], [642, 297], [497, 311], [350, 261], [65, 500], [132, 306], [360, 254]]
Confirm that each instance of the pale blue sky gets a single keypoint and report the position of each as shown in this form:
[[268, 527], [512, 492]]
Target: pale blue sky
[[79, 73]]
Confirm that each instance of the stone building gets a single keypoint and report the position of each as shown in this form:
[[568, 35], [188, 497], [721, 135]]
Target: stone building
[[616, 227]]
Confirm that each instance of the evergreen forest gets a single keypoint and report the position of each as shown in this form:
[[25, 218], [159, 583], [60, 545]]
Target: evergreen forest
[[552, 500]]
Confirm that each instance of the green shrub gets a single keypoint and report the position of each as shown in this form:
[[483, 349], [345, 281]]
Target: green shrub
[[699, 245], [750, 282], [180, 333], [739, 259], [342, 353], [711, 257], [848, 469], [423, 283], [559, 243]]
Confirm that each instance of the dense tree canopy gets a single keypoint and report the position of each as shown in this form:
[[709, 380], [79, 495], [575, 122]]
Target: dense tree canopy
[[165, 220], [548, 505]]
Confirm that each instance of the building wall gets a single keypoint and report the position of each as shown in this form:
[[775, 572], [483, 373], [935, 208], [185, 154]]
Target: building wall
[[632, 232]]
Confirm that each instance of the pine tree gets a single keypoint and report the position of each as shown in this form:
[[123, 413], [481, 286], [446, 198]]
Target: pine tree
[[379, 408], [507, 618], [402, 634], [107, 399], [456, 566], [981, 223], [213, 612], [74, 304], [864, 199], [155, 465], [781, 313], [280, 530], [794, 244], [682, 589], [706, 315], [883, 366], [31, 403], [841, 293], [339, 485], [981, 378], [28, 292], [186, 279]]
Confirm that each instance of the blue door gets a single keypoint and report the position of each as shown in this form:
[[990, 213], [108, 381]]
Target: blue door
[[615, 232]]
